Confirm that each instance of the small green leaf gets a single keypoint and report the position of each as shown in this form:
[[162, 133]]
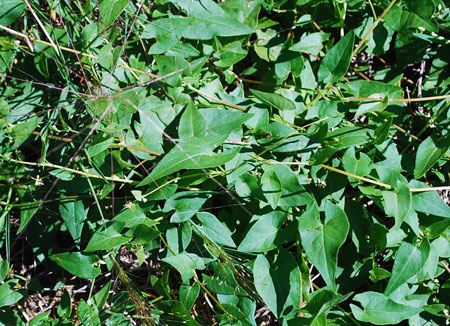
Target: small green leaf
[[398, 203], [262, 236], [292, 192], [192, 123], [8, 295], [186, 263], [275, 100], [337, 60], [429, 152], [311, 43], [65, 306], [372, 106], [78, 264], [107, 239], [185, 204], [188, 295], [408, 262], [100, 298], [322, 241], [74, 213], [271, 187], [380, 310]]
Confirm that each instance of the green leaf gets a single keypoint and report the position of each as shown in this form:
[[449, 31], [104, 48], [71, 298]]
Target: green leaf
[[9, 295], [192, 123], [202, 28], [337, 60], [221, 122], [78, 264], [429, 202], [275, 100], [10, 10], [322, 241], [380, 310], [188, 295], [223, 281], [215, 230], [186, 264], [271, 187], [202, 8], [107, 239], [185, 204], [101, 297], [429, 152], [372, 106], [110, 10], [74, 213], [193, 153], [22, 131], [9, 318], [361, 166], [398, 203], [311, 43], [279, 285], [400, 19], [65, 306], [88, 314], [409, 260], [262, 236], [292, 192]]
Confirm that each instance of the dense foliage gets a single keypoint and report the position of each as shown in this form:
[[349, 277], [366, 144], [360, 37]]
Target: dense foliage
[[239, 162]]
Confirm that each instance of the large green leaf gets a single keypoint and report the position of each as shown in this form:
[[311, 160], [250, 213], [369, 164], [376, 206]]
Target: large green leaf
[[10, 10], [322, 241], [202, 28], [429, 202], [380, 310], [78, 264], [215, 230], [110, 10], [337, 60], [193, 153], [408, 262], [429, 152], [273, 99], [262, 236], [279, 285]]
